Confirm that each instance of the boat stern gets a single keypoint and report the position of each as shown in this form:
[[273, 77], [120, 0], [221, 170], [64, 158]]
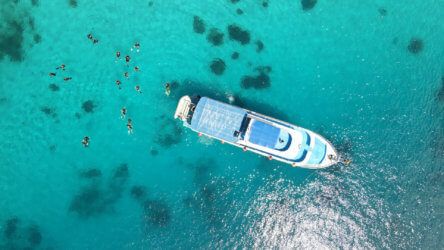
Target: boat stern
[[183, 109]]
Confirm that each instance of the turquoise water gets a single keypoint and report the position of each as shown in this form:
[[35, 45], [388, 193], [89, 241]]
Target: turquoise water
[[345, 69]]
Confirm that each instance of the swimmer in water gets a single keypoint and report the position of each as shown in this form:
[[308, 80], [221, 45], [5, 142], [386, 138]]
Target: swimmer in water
[[130, 127], [126, 75], [127, 59], [118, 84], [67, 78], [52, 74], [61, 67], [138, 89], [136, 69], [89, 37], [123, 112], [85, 141], [95, 41], [137, 45], [117, 56], [167, 89]]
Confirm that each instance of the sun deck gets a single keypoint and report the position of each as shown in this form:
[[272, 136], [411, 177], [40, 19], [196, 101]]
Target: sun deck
[[218, 119]]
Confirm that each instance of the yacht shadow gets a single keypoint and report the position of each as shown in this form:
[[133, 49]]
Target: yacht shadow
[[190, 87]]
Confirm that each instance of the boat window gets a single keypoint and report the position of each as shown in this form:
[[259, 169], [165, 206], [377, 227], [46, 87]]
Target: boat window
[[244, 127]]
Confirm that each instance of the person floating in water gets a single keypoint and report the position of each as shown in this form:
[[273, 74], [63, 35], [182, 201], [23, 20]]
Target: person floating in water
[[127, 59], [61, 67], [137, 45], [89, 37], [117, 56], [118, 84], [136, 69], [138, 89], [95, 41], [126, 75], [130, 127], [52, 74], [67, 78], [167, 89], [85, 141], [123, 112]]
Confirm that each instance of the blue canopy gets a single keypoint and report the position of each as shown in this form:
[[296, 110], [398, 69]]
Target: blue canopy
[[263, 134], [217, 119]]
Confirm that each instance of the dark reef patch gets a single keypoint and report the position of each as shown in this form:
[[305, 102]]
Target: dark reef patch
[[35, 3], [235, 55], [11, 227], [34, 235], [382, 11], [90, 173], [150, 3], [239, 12], [238, 34], [440, 95], [174, 85], [73, 3], [260, 46], [395, 41], [234, 1], [52, 147], [308, 4], [37, 38], [53, 87], [198, 25], [266, 69], [31, 23], [95, 199], [138, 192], [88, 106], [157, 213], [48, 111], [154, 152], [215, 37], [119, 179], [77, 115], [169, 133], [89, 202], [415, 46], [11, 41], [260, 81], [217, 66], [265, 4]]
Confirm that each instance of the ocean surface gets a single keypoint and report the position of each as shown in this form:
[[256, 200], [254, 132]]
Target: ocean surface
[[368, 75]]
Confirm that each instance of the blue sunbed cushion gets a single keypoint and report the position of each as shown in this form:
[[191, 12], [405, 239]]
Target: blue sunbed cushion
[[263, 134], [217, 119], [318, 152]]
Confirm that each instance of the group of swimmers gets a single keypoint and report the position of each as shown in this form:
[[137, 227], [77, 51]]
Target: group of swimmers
[[136, 47], [63, 68]]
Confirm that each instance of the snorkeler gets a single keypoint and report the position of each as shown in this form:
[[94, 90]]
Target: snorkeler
[[85, 141], [95, 41], [67, 78], [136, 69], [167, 89], [138, 89], [89, 37], [118, 84], [127, 59], [126, 75], [130, 127], [137, 45], [117, 56], [52, 74], [61, 67], [123, 111]]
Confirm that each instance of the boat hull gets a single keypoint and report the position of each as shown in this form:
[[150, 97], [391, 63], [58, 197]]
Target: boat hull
[[307, 149]]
